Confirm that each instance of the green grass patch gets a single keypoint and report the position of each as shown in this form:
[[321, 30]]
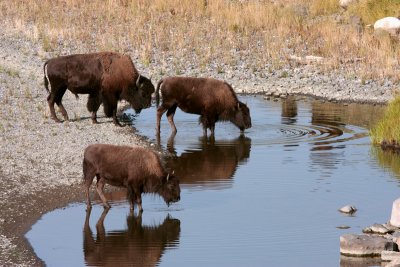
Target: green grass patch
[[387, 130]]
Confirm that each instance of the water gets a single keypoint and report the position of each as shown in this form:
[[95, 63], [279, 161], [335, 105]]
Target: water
[[265, 198]]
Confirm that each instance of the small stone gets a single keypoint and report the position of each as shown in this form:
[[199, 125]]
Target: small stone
[[343, 227], [348, 209]]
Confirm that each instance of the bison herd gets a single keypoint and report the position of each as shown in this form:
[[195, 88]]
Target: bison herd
[[108, 77]]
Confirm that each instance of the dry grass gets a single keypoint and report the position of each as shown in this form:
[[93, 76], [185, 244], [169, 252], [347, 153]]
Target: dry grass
[[215, 32]]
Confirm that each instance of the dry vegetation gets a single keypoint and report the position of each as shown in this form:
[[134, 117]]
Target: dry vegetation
[[210, 32]]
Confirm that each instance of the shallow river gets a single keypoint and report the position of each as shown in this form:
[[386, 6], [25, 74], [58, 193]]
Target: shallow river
[[267, 198]]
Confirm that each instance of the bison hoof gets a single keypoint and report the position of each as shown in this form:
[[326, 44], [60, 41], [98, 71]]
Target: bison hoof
[[106, 206]]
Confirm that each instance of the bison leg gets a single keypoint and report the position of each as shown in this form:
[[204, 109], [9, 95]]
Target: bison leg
[[63, 111], [131, 197], [135, 197], [93, 104], [139, 203], [160, 112], [110, 103], [170, 117], [88, 175], [58, 98], [99, 187], [50, 101]]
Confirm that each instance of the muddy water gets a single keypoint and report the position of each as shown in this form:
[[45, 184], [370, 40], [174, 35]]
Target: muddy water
[[265, 198]]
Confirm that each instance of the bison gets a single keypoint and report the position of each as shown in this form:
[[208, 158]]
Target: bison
[[212, 99], [106, 77], [135, 168]]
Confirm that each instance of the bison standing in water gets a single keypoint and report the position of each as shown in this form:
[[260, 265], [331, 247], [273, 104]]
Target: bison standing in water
[[212, 99], [106, 77], [135, 168]]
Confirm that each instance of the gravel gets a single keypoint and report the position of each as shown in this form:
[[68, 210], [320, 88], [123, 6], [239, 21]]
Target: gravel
[[40, 160]]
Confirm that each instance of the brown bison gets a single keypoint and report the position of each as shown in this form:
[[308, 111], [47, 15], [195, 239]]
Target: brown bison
[[137, 245], [212, 99], [106, 77], [135, 168]]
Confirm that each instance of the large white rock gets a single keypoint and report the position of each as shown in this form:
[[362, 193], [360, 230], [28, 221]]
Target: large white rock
[[363, 245], [395, 217], [389, 24]]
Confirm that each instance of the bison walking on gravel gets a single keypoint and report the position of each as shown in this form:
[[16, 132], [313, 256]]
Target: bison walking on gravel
[[135, 168], [106, 77], [212, 99]]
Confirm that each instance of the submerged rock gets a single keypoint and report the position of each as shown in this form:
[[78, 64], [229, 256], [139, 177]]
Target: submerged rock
[[363, 245], [348, 209]]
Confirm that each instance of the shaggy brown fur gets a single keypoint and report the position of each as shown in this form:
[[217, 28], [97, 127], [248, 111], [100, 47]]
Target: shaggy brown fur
[[106, 77], [138, 169], [212, 99]]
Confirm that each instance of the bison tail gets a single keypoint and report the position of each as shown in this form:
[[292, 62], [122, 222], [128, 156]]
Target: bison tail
[[157, 92], [46, 78]]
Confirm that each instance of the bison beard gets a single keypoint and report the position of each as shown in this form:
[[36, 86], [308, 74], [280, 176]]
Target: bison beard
[[138, 169], [106, 77]]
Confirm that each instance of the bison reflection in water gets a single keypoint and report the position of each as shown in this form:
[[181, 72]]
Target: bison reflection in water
[[136, 246], [210, 164]]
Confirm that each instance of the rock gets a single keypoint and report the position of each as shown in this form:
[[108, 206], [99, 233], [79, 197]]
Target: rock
[[363, 245], [395, 216], [348, 209], [377, 229], [394, 263], [390, 255], [345, 3], [388, 24]]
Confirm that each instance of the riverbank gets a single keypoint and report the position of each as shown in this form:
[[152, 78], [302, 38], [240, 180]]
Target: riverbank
[[40, 167]]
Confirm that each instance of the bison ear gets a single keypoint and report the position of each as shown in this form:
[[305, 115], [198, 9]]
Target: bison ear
[[138, 82]]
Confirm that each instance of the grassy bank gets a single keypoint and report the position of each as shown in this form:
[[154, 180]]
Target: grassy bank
[[387, 131], [209, 32]]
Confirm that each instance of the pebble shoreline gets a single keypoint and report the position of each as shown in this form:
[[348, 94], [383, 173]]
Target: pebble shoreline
[[41, 160]]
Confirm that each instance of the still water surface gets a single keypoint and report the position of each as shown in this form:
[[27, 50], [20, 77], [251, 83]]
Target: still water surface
[[265, 198]]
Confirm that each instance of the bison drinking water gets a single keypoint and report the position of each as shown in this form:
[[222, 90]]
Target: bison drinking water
[[106, 77], [212, 99], [138, 169]]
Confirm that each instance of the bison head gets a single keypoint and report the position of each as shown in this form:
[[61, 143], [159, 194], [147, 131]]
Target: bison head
[[170, 190], [142, 92], [242, 117]]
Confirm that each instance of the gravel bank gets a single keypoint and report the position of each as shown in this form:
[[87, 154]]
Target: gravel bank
[[40, 167]]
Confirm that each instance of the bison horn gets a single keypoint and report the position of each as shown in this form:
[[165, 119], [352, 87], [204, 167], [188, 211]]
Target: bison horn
[[167, 177], [138, 81]]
